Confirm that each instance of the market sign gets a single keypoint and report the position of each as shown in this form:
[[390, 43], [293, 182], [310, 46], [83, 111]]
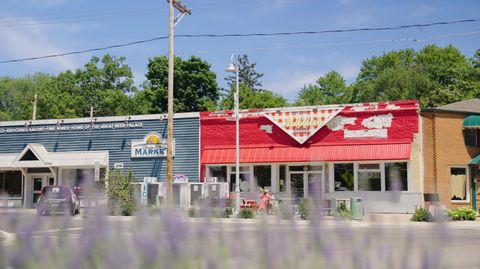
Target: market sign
[[302, 124], [151, 146]]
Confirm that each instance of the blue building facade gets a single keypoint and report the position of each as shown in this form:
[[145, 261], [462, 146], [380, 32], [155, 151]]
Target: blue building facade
[[69, 151]]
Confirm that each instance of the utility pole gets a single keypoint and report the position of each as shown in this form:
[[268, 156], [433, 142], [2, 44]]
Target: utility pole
[[34, 112], [172, 22], [92, 111]]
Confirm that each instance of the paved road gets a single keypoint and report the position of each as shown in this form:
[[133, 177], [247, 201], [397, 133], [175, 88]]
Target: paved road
[[231, 243]]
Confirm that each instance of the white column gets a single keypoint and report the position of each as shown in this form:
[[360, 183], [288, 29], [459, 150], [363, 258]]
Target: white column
[[274, 178]]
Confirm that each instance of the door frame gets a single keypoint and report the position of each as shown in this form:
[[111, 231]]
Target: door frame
[[30, 193], [305, 174]]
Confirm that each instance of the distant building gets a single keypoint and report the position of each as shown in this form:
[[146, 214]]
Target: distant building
[[451, 153]]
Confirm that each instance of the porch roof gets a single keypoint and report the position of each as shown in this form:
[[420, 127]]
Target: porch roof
[[43, 158]]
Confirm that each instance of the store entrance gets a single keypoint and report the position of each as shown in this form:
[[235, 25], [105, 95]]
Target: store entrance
[[37, 182], [307, 181]]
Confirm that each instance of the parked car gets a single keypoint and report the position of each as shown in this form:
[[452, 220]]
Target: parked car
[[58, 199]]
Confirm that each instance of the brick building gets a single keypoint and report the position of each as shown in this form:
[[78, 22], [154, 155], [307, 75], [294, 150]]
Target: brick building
[[451, 140]]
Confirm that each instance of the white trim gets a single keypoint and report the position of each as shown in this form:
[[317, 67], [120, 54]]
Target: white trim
[[467, 185], [100, 119], [381, 169]]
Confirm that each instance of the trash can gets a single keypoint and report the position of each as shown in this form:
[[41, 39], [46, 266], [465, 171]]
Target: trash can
[[356, 207]]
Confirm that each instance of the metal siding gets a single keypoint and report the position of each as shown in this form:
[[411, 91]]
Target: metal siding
[[118, 143], [366, 152]]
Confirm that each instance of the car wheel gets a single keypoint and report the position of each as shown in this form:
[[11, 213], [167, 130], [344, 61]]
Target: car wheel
[[72, 211]]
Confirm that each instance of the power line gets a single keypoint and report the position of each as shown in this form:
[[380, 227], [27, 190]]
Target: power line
[[246, 35], [85, 51], [361, 42]]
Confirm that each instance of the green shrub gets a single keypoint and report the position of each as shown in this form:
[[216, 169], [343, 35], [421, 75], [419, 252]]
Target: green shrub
[[285, 211], [422, 214], [227, 212], [342, 211], [462, 214], [127, 208], [246, 214], [304, 208], [119, 193]]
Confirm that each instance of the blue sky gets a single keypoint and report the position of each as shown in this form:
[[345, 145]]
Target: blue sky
[[30, 28]]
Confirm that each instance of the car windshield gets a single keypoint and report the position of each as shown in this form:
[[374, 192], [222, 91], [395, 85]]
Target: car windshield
[[56, 193]]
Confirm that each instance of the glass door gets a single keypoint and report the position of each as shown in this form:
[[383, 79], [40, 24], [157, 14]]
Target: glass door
[[38, 183], [297, 185]]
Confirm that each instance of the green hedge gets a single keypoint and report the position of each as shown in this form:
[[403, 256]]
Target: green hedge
[[462, 214]]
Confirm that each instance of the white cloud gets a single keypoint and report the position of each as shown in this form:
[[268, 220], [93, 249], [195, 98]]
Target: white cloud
[[33, 41], [349, 71], [289, 83]]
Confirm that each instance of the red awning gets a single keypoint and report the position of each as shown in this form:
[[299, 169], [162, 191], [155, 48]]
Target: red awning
[[399, 151]]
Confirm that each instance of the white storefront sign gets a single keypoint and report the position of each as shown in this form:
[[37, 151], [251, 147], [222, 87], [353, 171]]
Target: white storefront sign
[[302, 124], [151, 146], [71, 127]]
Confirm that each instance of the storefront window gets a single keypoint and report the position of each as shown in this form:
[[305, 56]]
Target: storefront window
[[220, 172], [245, 177], [396, 176], [244, 174], [263, 176], [282, 180], [369, 177], [11, 183], [343, 173], [458, 179]]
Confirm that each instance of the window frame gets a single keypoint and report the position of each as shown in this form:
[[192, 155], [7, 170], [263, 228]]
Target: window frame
[[357, 170], [380, 169], [467, 184]]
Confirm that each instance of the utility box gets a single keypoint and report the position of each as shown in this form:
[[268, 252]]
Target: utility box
[[196, 190], [216, 192], [156, 191], [180, 194], [356, 207]]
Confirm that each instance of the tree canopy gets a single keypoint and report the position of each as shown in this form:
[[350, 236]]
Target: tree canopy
[[434, 75], [247, 75], [195, 86], [330, 88]]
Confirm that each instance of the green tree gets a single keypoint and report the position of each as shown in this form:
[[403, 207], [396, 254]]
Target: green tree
[[434, 75], [247, 74], [195, 86], [251, 99], [330, 88], [105, 84], [16, 95]]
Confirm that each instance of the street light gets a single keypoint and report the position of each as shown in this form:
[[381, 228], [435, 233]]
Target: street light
[[233, 68]]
